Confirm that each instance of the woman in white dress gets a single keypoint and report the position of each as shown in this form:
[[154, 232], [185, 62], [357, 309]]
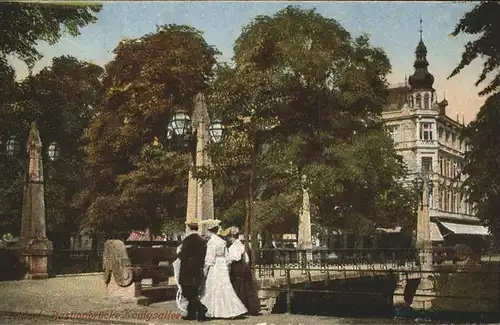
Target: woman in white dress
[[219, 296]]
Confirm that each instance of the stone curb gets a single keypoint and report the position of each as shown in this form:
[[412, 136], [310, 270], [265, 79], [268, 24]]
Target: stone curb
[[77, 275], [32, 315]]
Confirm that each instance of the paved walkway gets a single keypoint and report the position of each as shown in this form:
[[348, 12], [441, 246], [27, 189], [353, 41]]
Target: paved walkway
[[63, 300]]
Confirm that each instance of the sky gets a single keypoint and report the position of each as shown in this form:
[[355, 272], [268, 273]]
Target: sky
[[393, 26]]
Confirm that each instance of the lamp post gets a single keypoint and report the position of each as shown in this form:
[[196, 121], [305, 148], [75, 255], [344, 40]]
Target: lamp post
[[194, 134], [424, 186]]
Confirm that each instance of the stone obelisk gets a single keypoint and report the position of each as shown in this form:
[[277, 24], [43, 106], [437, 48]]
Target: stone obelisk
[[35, 247], [200, 203], [304, 240]]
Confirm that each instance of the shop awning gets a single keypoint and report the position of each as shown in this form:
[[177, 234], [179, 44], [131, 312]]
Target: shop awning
[[435, 233], [461, 229]]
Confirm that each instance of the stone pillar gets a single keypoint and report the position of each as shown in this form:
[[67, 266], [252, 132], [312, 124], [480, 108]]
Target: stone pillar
[[35, 247], [304, 240], [200, 204], [424, 244]]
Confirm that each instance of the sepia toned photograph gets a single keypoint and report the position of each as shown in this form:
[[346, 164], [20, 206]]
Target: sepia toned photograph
[[249, 162]]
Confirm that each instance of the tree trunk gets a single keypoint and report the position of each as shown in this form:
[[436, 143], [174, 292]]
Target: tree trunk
[[251, 206], [247, 224]]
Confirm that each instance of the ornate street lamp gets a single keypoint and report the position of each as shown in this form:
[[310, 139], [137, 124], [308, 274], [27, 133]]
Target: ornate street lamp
[[13, 147], [418, 182], [430, 187], [216, 130], [180, 124], [53, 151], [193, 133]]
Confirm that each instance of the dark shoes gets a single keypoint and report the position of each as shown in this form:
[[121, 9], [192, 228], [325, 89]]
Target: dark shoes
[[188, 317], [202, 314]]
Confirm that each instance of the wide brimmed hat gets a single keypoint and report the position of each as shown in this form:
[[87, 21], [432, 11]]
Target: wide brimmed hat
[[226, 232], [211, 223], [192, 223]]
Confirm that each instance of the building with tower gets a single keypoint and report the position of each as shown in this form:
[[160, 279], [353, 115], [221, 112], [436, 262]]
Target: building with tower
[[429, 141]]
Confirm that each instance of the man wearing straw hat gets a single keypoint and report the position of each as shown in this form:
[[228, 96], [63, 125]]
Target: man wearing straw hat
[[192, 260]]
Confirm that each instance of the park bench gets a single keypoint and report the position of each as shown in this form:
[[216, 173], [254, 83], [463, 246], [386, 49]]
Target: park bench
[[127, 268]]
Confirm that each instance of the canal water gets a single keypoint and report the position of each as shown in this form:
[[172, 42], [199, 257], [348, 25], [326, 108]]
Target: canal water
[[367, 301]]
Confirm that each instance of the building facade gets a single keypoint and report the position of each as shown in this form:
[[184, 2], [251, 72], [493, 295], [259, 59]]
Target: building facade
[[429, 141]]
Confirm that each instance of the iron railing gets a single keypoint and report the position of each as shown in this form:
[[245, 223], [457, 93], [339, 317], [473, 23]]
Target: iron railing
[[69, 261], [274, 262], [271, 262]]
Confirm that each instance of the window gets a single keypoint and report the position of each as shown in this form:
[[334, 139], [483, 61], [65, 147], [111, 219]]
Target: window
[[452, 202], [440, 132], [454, 170], [440, 198], [441, 166], [426, 164], [446, 201], [394, 132], [419, 101], [411, 101], [426, 101], [426, 131]]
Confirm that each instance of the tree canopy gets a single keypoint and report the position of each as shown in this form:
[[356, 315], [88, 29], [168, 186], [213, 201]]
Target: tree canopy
[[150, 78], [60, 98], [482, 21], [305, 98], [24, 24], [481, 161], [482, 165]]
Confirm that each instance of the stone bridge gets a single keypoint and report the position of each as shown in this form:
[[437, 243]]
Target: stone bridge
[[271, 284], [414, 280]]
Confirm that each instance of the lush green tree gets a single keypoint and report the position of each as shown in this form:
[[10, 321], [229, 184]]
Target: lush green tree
[[310, 94], [481, 163], [154, 191], [150, 78], [482, 21], [60, 98], [24, 24]]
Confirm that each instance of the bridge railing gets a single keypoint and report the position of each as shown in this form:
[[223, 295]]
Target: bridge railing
[[271, 261]]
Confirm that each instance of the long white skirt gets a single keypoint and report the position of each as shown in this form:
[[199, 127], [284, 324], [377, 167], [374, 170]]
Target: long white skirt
[[219, 296]]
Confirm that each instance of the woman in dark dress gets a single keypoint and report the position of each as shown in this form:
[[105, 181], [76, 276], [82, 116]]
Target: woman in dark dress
[[241, 274]]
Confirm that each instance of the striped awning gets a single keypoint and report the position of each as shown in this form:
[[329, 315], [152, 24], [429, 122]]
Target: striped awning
[[435, 233], [143, 236], [462, 229]]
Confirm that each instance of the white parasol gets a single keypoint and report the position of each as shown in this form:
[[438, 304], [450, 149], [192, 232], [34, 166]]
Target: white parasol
[[182, 302]]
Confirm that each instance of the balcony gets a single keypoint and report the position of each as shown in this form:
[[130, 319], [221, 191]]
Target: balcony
[[426, 143]]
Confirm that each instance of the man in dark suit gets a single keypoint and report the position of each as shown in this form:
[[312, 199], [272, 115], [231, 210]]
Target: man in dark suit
[[192, 257]]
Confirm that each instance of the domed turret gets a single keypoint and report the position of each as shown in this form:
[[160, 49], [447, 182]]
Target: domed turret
[[421, 78]]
